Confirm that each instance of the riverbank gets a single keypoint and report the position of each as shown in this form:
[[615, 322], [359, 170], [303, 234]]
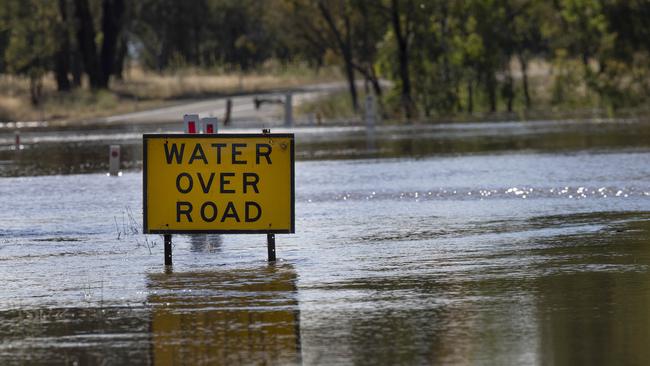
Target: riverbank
[[141, 90], [337, 107]]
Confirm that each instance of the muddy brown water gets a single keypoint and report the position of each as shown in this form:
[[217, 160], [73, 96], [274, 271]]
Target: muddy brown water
[[477, 243]]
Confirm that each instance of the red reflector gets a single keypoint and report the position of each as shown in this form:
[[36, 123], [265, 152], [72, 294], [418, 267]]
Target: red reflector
[[114, 153], [209, 129], [191, 127]]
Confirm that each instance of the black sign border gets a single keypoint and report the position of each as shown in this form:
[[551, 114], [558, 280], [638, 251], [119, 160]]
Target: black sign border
[[146, 137]]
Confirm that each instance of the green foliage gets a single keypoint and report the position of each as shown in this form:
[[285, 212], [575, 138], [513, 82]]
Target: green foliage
[[442, 57], [334, 106], [176, 34], [30, 45]]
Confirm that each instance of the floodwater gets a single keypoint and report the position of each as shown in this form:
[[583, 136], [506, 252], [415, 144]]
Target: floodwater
[[476, 243]]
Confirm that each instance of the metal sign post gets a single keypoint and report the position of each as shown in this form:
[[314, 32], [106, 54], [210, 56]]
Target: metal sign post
[[168, 249], [270, 246]]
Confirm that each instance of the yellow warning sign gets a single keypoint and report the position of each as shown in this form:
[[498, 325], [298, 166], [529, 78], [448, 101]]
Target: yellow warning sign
[[229, 183]]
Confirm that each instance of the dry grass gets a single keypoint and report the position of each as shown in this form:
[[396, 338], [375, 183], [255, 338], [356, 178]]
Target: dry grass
[[141, 90], [198, 83]]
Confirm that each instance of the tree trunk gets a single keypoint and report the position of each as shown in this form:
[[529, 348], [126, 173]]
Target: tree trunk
[[403, 59], [111, 26], [61, 71], [76, 67], [345, 47], [35, 89], [491, 86], [349, 75], [99, 67], [120, 59], [470, 97], [349, 68], [63, 51], [86, 41], [459, 104], [375, 82], [509, 92], [524, 72], [370, 76]]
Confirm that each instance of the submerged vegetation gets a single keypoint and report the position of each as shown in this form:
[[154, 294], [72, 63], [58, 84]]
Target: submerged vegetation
[[460, 58]]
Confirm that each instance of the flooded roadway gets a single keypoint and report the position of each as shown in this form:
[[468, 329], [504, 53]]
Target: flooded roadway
[[485, 243]]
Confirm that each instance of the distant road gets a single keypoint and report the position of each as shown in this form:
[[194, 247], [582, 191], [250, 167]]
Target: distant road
[[243, 111]]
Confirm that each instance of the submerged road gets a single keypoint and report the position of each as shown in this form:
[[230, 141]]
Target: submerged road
[[243, 113], [458, 243]]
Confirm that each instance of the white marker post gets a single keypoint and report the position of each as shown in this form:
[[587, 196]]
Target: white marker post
[[114, 160], [191, 123], [288, 110], [209, 125]]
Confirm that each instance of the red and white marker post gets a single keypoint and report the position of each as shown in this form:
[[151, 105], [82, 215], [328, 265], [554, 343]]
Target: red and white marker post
[[191, 123], [209, 125], [114, 160]]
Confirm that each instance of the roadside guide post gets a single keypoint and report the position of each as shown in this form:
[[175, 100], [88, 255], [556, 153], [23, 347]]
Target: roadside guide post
[[227, 116], [209, 125], [191, 123], [114, 160], [288, 110], [218, 184]]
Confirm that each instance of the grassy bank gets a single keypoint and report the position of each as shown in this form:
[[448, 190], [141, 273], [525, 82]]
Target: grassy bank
[[141, 90], [555, 93], [337, 107]]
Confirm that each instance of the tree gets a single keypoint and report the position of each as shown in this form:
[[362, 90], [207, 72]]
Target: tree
[[528, 38], [99, 66], [342, 35], [63, 50], [401, 19], [31, 48], [350, 30]]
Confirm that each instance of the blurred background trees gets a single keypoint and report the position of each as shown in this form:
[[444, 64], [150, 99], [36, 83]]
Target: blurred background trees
[[442, 57]]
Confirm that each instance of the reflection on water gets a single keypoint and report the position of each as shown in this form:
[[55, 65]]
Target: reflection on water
[[85, 151], [570, 299], [205, 243], [594, 308], [75, 336], [233, 316], [489, 258], [66, 158], [225, 317]]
